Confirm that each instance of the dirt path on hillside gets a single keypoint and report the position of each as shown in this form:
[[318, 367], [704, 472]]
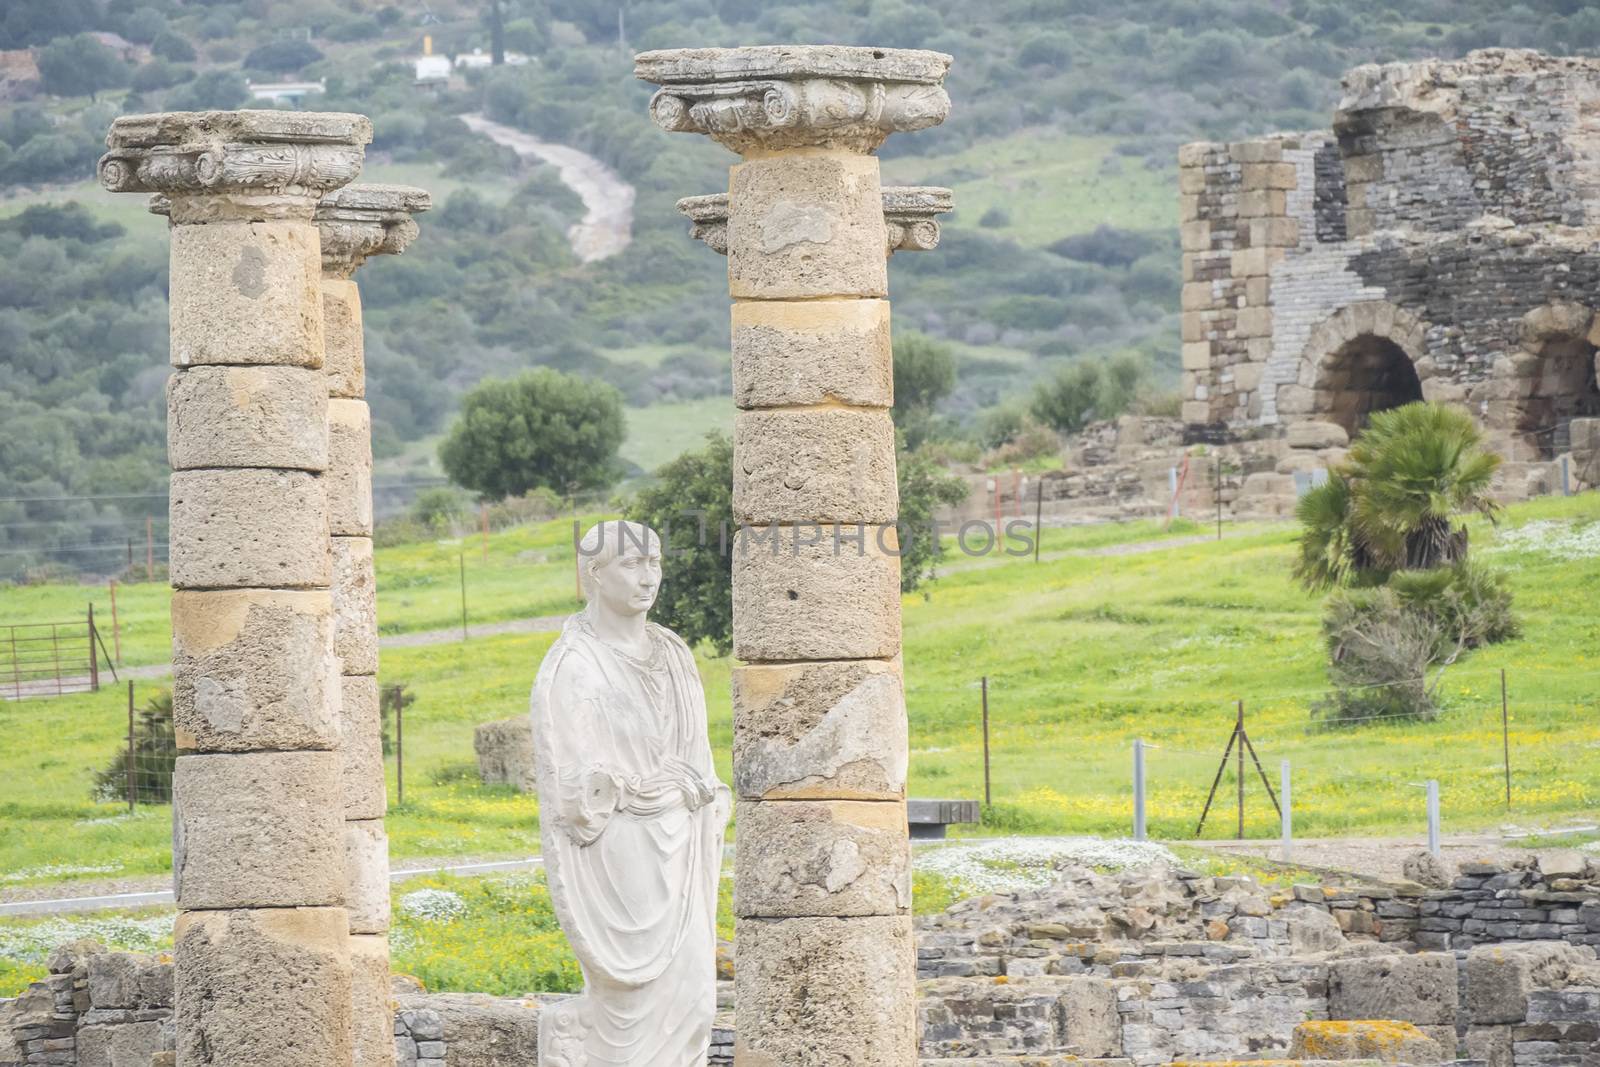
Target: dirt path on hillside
[[607, 224]]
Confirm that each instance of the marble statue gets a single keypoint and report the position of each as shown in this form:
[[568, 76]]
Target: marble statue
[[632, 818]]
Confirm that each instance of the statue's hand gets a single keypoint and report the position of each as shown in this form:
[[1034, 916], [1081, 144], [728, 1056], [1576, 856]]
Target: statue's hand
[[697, 792]]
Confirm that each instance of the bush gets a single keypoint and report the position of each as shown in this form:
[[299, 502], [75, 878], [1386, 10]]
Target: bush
[[436, 510], [283, 57], [1470, 602], [1086, 391], [155, 753], [159, 74], [1381, 650], [218, 90], [173, 48]]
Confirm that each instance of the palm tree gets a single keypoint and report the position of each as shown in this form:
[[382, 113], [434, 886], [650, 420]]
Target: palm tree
[[1394, 504]]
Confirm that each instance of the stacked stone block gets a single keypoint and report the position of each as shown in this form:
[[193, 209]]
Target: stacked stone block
[[261, 942], [825, 970], [358, 221]]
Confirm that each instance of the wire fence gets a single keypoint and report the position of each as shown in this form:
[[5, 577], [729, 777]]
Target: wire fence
[[45, 659]]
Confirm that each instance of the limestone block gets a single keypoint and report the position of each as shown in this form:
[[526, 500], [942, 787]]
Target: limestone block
[[257, 830], [268, 988], [247, 417], [355, 605], [1262, 203], [818, 465], [248, 528], [349, 479], [1556, 322], [1267, 176], [1197, 355], [1500, 977], [1197, 296], [1300, 460], [1194, 326], [1258, 290], [1191, 180], [1275, 233], [128, 981], [1194, 154], [1253, 322], [1254, 261], [821, 857], [1093, 1028], [1358, 221], [361, 749], [1363, 169], [816, 593], [1295, 400], [1195, 236], [1490, 1044], [1256, 151], [1258, 349], [479, 1030], [253, 669], [807, 226], [366, 874], [812, 352], [1188, 206], [1381, 1040], [127, 1044], [344, 353], [819, 730], [246, 293], [505, 753], [825, 992], [1267, 483], [1417, 989], [1247, 377], [1314, 434], [371, 1010], [1196, 412]]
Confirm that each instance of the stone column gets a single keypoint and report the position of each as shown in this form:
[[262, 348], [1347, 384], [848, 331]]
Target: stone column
[[358, 221], [261, 945], [824, 960]]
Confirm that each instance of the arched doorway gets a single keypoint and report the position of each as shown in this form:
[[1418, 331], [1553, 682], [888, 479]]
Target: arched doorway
[[1367, 373], [1561, 388]]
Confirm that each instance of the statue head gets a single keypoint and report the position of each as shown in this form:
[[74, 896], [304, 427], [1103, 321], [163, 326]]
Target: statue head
[[619, 567]]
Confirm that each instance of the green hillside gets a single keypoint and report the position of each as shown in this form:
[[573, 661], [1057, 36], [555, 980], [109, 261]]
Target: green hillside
[[1109, 638], [1061, 147]]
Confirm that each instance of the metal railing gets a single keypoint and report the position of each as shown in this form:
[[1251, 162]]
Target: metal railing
[[46, 659]]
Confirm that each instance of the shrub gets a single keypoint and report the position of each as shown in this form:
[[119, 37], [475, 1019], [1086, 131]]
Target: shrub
[[173, 48], [155, 753], [1380, 651], [437, 509], [1470, 602]]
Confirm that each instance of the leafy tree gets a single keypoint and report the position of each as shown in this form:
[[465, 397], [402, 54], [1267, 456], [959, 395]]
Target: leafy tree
[[283, 57], [159, 74], [690, 504], [80, 66], [542, 428], [1087, 390], [696, 597], [35, 22], [1394, 504], [173, 48], [70, 221], [219, 90]]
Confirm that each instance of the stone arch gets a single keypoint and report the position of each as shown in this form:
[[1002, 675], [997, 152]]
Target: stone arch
[[1548, 381], [1365, 357]]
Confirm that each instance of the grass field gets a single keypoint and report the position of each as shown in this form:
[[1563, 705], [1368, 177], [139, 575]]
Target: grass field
[[1083, 652], [1049, 186]]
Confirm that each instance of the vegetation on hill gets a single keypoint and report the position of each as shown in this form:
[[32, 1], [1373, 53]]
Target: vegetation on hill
[[1060, 149]]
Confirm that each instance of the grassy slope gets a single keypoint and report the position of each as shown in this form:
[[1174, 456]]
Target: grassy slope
[[1084, 653]]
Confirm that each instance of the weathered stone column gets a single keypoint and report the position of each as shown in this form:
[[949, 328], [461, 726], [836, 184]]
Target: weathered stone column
[[261, 945], [358, 221], [824, 967]]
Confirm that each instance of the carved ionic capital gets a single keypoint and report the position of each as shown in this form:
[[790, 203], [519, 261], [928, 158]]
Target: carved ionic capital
[[910, 214], [755, 100], [209, 163], [367, 220]]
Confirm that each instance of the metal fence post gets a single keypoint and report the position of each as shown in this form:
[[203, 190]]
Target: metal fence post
[[988, 798], [399, 750], [1287, 815], [94, 659], [1139, 830], [1433, 816], [133, 793]]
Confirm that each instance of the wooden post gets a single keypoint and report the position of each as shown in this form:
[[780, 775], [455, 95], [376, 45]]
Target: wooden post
[[483, 521], [1239, 765], [1505, 733], [94, 658], [987, 795], [149, 549], [116, 628], [1038, 517], [463, 561], [133, 789], [1219, 494], [55, 656], [16, 668]]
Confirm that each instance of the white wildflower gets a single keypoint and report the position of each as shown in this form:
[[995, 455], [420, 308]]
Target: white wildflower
[[992, 865], [433, 905]]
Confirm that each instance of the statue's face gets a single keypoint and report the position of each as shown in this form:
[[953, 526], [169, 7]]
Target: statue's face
[[627, 585]]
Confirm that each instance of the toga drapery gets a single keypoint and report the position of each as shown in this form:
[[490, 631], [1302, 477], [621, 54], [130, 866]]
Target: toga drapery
[[631, 818]]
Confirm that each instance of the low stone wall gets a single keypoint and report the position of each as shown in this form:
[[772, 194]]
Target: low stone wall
[[1488, 905], [505, 752]]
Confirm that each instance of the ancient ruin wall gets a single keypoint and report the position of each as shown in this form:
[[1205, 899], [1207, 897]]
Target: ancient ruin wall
[[1438, 244]]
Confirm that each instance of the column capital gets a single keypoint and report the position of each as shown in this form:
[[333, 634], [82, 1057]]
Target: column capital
[[778, 97], [910, 215], [222, 164], [364, 220]]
